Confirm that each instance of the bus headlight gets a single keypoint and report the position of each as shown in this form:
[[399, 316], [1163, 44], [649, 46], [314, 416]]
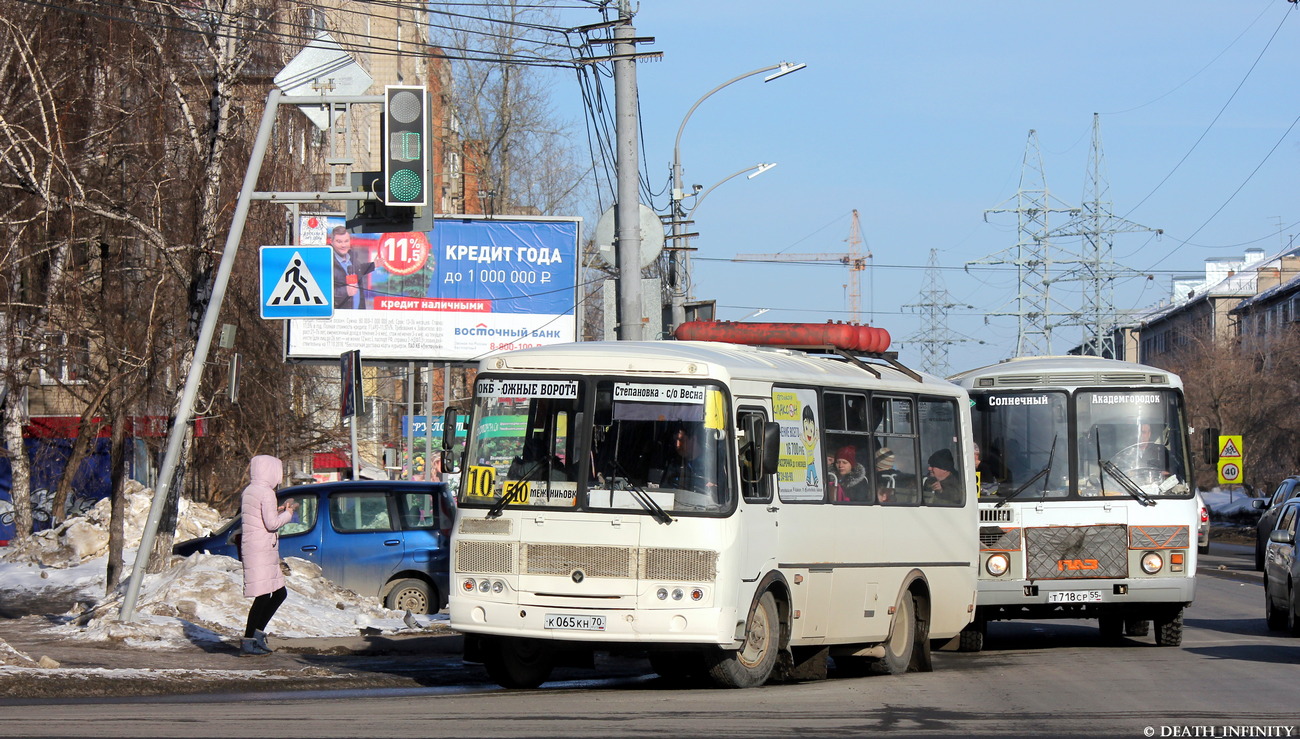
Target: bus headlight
[[1152, 562], [662, 594], [468, 585], [997, 565]]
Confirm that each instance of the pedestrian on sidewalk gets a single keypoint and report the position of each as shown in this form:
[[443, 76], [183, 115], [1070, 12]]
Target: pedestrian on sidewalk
[[259, 548]]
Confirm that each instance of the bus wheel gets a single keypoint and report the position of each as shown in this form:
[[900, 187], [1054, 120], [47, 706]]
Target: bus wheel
[[1169, 629], [518, 663], [1111, 627], [902, 639], [752, 664], [1136, 627], [677, 666], [971, 638]]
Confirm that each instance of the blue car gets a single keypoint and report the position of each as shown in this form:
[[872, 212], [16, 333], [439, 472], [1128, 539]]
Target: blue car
[[386, 538]]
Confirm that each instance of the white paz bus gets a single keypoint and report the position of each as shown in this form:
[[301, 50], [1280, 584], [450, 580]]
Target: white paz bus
[[716, 506], [1087, 507]]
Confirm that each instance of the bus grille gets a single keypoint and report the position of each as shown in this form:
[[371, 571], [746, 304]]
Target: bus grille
[[996, 515], [500, 526], [486, 557], [563, 559], [498, 557], [996, 537], [1077, 552], [693, 565], [1159, 537]]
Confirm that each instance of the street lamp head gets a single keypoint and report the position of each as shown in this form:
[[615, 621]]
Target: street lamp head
[[760, 169], [786, 68]]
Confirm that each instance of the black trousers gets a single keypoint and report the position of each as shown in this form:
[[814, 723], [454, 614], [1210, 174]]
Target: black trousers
[[263, 608]]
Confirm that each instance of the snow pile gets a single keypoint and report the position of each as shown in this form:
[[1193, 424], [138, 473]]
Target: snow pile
[[83, 538], [195, 599], [201, 599]]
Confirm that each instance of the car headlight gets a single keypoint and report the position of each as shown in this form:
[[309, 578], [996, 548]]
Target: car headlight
[[1152, 562], [997, 565]]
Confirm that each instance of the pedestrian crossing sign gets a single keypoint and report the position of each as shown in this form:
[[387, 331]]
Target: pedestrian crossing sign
[[297, 282]]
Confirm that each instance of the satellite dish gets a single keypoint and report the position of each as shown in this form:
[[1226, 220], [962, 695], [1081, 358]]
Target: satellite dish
[[652, 234]]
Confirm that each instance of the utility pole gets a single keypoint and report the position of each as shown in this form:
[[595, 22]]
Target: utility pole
[[935, 337], [853, 259], [1032, 255], [627, 215]]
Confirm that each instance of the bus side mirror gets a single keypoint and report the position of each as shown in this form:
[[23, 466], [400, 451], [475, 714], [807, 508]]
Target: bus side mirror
[[450, 462], [771, 448], [1210, 446]]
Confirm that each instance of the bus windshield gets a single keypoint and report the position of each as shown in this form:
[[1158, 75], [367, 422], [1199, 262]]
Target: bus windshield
[[1138, 432], [1023, 440], [521, 446], [662, 442]]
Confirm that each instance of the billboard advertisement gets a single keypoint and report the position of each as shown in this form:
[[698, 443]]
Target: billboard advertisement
[[470, 287]]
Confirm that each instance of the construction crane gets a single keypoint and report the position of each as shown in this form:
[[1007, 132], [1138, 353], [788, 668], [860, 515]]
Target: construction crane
[[853, 259]]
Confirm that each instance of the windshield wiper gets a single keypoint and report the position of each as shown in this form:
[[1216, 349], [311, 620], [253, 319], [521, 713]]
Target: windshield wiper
[[500, 505], [1130, 487], [1039, 474], [656, 511]]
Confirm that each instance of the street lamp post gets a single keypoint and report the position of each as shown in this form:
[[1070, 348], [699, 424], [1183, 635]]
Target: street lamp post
[[676, 266]]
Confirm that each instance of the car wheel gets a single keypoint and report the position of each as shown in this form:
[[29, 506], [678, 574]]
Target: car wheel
[[411, 595], [1273, 618], [1292, 621]]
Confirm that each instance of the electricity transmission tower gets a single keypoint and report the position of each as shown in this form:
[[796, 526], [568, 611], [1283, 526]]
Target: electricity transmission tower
[[853, 259], [934, 337], [1097, 270], [1033, 256]]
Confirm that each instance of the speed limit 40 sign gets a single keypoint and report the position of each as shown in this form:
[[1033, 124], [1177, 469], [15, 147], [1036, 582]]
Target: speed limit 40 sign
[[1229, 471]]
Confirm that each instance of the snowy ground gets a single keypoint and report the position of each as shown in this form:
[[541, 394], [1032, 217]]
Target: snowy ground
[[193, 600]]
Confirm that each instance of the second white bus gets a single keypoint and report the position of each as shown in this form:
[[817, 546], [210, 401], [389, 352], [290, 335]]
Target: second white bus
[[581, 527], [1087, 507]]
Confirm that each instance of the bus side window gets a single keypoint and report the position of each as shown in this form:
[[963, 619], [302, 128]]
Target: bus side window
[[749, 420]]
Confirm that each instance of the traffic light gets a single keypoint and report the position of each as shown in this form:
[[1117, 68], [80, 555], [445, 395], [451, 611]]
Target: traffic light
[[406, 146]]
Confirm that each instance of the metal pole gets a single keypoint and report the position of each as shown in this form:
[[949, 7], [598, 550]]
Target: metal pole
[[627, 216], [410, 421], [679, 265], [185, 409], [428, 427]]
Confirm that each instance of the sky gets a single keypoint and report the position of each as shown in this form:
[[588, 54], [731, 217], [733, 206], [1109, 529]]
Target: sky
[[918, 116]]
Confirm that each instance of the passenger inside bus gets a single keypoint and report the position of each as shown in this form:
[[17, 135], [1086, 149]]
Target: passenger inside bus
[[848, 479], [889, 479], [942, 483]]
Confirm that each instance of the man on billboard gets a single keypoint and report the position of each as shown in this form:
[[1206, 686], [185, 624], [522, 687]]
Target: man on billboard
[[350, 269]]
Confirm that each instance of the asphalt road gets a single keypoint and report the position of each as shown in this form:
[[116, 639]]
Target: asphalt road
[[1034, 679]]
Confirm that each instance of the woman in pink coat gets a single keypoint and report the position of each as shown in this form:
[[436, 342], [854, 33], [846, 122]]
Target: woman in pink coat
[[260, 549]]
